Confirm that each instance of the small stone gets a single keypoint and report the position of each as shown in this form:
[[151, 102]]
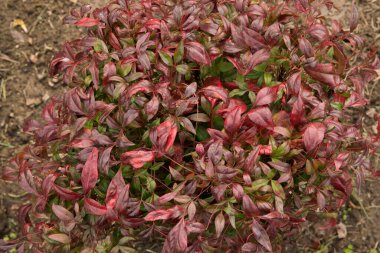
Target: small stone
[[45, 97], [33, 58], [341, 230], [32, 101]]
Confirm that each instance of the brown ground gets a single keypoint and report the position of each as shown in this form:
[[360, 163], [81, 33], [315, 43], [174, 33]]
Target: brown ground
[[25, 87]]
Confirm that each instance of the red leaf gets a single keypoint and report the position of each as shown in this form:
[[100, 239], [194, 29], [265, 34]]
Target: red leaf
[[89, 174], [262, 117], [313, 135], [167, 197], [122, 200], [297, 115], [176, 241], [261, 235], [233, 120], [163, 136], [266, 96], [151, 108], [215, 92], [354, 18], [137, 158], [319, 32], [196, 52], [114, 41], [306, 47], [104, 159], [82, 143], [163, 214], [143, 86], [62, 213], [66, 194], [93, 207], [87, 22], [249, 207], [237, 191], [294, 83], [115, 187], [219, 224], [324, 73], [321, 200]]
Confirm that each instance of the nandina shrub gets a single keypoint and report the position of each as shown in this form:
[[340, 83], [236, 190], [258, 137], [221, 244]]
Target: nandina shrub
[[207, 126]]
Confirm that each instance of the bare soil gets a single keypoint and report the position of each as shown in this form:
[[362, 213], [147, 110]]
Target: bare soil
[[25, 86]]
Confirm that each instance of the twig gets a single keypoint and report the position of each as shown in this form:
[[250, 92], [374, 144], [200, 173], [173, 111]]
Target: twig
[[6, 145], [3, 90]]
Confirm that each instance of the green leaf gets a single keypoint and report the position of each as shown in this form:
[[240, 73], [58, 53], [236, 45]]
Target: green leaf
[[277, 189], [225, 66], [267, 78], [166, 58], [124, 69], [157, 166], [150, 184], [237, 92], [100, 46], [252, 96], [330, 53], [257, 184], [202, 133], [179, 52], [182, 69]]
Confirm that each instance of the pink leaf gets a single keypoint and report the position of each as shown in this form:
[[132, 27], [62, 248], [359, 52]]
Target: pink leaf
[[266, 96], [219, 224], [89, 174], [197, 52], [313, 135], [163, 214], [62, 213], [294, 83], [215, 92], [87, 22], [137, 158], [262, 117], [151, 108], [93, 207], [163, 136], [354, 18], [66, 194]]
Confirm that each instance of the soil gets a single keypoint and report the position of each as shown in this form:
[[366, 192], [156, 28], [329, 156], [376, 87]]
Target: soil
[[31, 31]]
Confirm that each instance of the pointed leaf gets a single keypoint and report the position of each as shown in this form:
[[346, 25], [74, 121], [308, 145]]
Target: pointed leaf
[[89, 174]]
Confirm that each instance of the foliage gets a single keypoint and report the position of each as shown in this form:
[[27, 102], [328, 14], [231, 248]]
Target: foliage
[[215, 125]]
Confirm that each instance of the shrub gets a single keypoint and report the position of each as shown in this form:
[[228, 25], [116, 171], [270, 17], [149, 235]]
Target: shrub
[[208, 125]]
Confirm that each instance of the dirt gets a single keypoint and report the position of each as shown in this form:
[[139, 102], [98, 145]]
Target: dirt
[[24, 58]]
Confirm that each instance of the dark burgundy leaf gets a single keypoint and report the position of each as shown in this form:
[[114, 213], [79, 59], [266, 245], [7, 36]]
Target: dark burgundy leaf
[[249, 206], [233, 121], [261, 235]]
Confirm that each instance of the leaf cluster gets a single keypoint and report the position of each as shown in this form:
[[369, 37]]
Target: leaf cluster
[[212, 125]]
